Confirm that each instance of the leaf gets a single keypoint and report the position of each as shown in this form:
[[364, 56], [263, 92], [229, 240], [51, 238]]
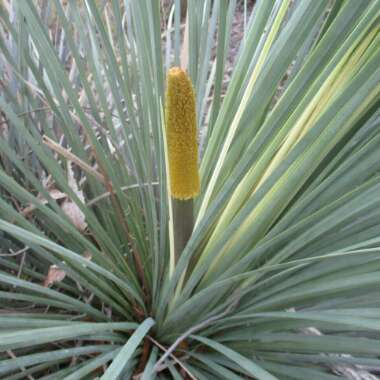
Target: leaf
[[75, 214], [70, 208], [121, 360], [53, 193], [27, 338], [38, 358], [54, 275], [242, 361], [90, 365]]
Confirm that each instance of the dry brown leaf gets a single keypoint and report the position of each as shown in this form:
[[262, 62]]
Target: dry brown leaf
[[87, 255], [75, 214], [70, 208], [54, 275], [54, 193]]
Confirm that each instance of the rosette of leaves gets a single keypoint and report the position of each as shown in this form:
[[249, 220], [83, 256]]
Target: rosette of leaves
[[280, 276]]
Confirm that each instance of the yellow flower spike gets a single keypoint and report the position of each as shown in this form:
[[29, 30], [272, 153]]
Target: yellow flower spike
[[181, 134]]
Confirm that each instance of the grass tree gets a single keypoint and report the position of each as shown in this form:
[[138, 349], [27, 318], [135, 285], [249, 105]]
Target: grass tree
[[265, 267]]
